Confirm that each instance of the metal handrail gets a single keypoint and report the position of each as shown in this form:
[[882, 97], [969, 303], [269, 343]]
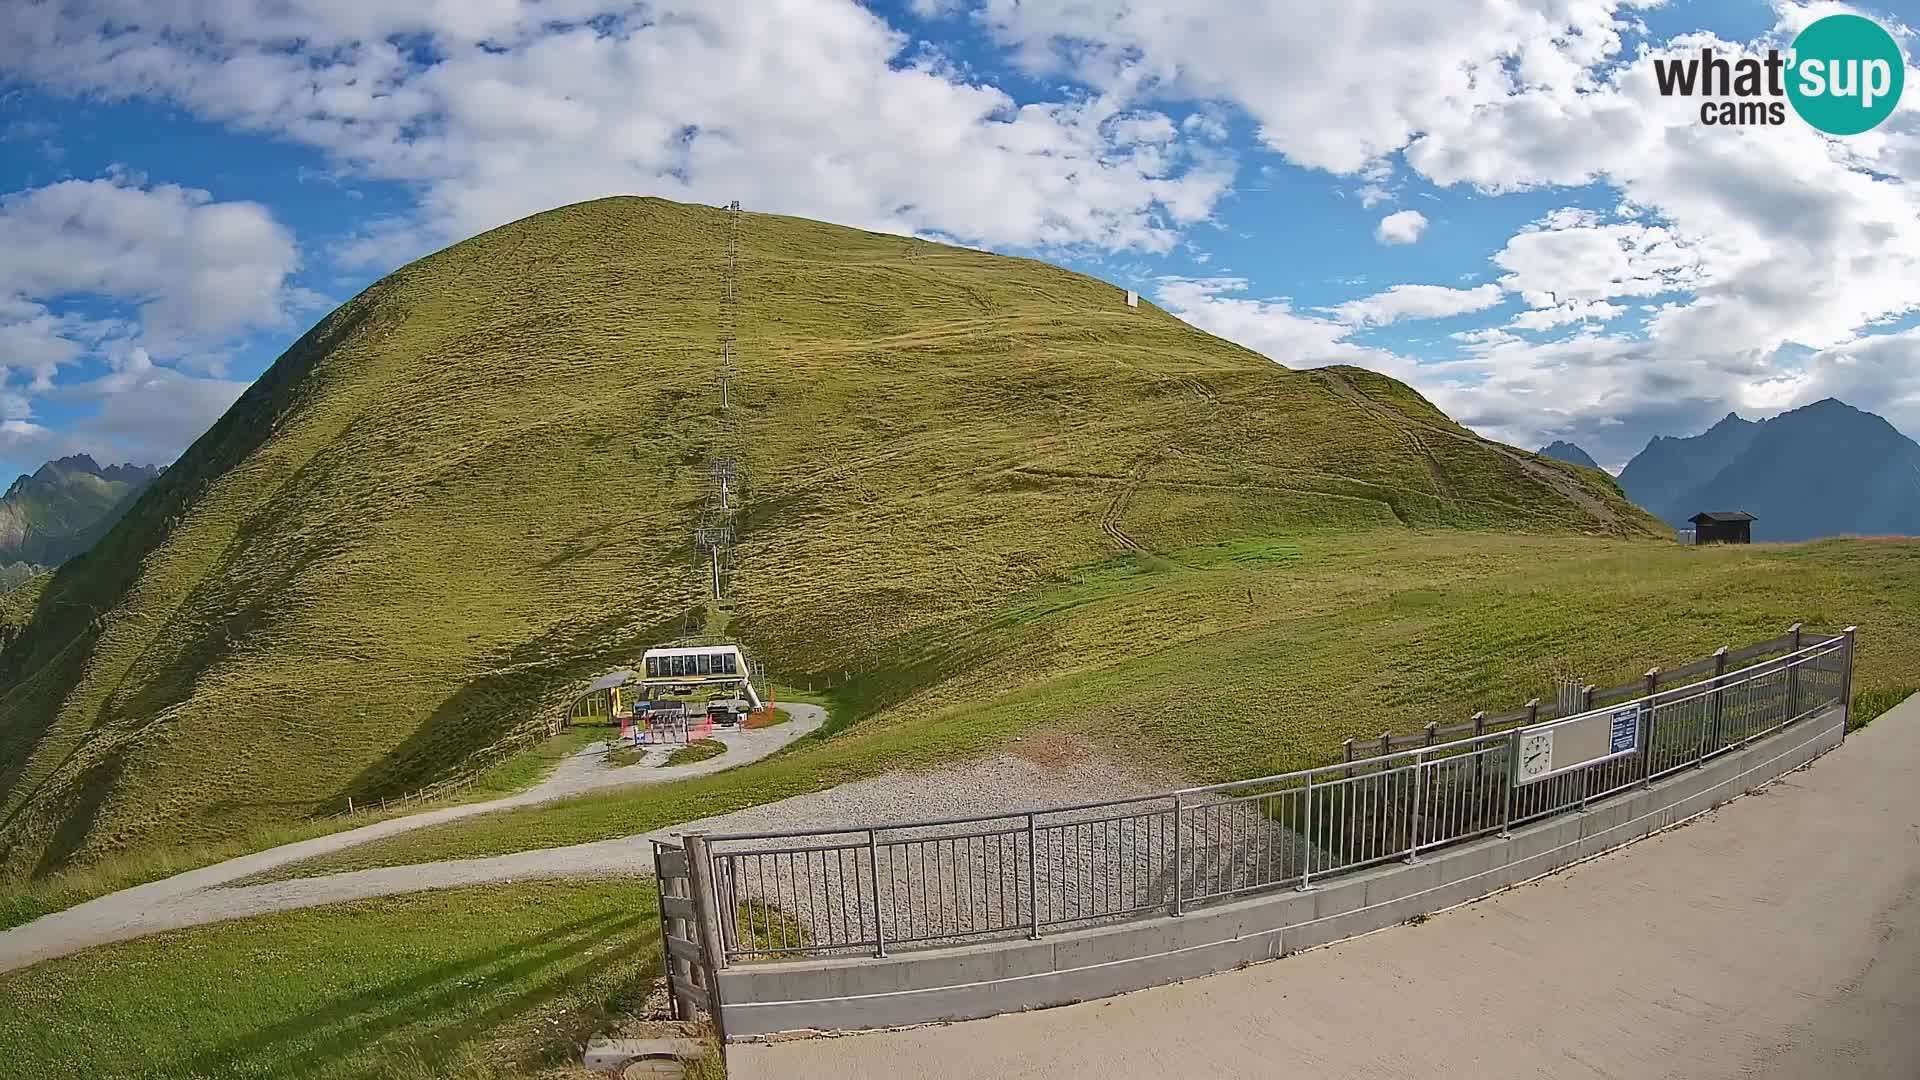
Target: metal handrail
[[870, 886], [1723, 682]]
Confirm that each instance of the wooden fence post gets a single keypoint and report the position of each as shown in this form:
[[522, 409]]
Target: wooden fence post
[[662, 892], [1346, 750], [707, 926]]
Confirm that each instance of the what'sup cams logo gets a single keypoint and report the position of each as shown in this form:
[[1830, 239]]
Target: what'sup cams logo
[[1843, 75]]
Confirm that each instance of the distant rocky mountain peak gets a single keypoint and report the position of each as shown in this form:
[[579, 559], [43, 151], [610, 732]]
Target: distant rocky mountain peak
[[58, 510], [1824, 469], [1561, 450]]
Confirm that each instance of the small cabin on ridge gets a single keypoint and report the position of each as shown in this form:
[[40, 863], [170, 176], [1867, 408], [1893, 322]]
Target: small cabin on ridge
[[1723, 527]]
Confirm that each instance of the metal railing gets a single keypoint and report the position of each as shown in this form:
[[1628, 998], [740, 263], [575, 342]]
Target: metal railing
[[871, 889]]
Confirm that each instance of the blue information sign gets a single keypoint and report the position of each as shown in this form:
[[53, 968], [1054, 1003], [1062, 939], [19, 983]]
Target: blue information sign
[[1625, 736]]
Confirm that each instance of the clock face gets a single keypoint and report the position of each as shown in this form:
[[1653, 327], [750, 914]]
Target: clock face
[[1536, 754]]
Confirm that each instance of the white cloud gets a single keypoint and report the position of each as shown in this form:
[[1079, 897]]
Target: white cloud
[[198, 270], [192, 272], [1570, 256], [147, 414], [1333, 90], [1749, 243], [35, 341], [1576, 311], [1417, 302], [382, 243], [1756, 241], [1205, 126], [1271, 327], [1402, 227], [1483, 337], [1778, 233], [812, 107]]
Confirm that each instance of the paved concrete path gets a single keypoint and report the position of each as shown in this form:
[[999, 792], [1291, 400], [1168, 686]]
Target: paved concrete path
[[1777, 937], [197, 897]]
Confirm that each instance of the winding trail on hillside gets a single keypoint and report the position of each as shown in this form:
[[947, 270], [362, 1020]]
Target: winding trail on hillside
[[197, 896]]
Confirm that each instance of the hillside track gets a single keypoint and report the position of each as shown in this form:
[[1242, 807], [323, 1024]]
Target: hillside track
[[1558, 481], [197, 896], [1116, 508]]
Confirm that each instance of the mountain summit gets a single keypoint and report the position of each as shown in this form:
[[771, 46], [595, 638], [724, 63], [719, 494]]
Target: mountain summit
[[1561, 450], [64, 506], [1825, 469], [477, 483]]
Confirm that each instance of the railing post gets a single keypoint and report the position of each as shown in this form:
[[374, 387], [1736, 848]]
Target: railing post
[[1480, 764], [1414, 816], [1846, 684], [1719, 699], [873, 871], [1179, 858], [1513, 773], [1645, 734], [1793, 676], [707, 918], [660, 889], [1033, 881], [1587, 776], [1306, 866]]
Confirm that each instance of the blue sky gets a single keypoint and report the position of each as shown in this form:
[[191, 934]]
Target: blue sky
[[1485, 198]]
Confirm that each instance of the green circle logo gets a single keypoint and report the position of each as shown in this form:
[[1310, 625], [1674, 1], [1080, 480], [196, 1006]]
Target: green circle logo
[[1847, 74]]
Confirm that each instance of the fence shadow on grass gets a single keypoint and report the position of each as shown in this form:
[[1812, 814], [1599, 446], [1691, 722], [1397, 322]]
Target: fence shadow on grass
[[429, 1019]]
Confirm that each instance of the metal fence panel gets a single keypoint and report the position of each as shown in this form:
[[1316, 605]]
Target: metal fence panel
[[919, 884]]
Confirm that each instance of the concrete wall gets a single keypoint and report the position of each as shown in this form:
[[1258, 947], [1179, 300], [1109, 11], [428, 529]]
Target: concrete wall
[[984, 979]]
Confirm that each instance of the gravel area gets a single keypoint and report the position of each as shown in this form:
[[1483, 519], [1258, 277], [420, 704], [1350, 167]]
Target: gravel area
[[985, 786], [802, 895]]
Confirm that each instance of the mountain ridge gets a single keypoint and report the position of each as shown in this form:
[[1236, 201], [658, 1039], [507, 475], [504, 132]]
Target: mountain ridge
[[1819, 470], [59, 510], [1571, 453]]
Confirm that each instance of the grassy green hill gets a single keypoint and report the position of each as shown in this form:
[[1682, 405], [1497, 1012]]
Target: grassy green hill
[[472, 486]]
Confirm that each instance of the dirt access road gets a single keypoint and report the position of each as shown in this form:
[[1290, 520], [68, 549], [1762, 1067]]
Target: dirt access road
[[1777, 937], [196, 897]]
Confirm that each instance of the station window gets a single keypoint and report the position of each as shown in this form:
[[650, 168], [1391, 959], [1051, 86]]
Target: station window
[[727, 660], [653, 667], [706, 663]]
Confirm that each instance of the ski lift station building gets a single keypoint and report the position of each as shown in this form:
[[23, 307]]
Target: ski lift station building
[[693, 667]]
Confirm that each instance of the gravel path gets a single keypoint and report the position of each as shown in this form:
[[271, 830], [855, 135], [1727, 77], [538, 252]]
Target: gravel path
[[195, 897], [1083, 874], [976, 787]]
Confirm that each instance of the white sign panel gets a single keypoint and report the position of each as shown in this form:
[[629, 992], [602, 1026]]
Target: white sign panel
[[1623, 730], [1536, 755]]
